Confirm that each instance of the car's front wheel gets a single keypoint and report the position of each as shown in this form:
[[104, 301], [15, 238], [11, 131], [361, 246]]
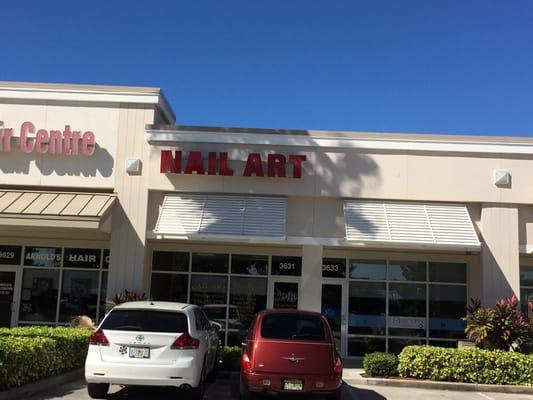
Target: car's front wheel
[[97, 390]]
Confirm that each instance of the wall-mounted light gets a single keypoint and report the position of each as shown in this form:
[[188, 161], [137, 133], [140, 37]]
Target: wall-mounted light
[[502, 178], [133, 166]]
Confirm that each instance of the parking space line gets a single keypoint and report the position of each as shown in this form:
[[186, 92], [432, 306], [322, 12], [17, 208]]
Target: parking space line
[[485, 396]]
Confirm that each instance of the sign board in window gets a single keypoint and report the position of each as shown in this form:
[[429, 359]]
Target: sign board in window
[[82, 258], [286, 266], [42, 256], [407, 322], [333, 267], [106, 259], [10, 255]]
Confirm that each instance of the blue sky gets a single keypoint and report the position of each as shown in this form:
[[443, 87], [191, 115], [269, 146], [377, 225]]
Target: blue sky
[[463, 66]]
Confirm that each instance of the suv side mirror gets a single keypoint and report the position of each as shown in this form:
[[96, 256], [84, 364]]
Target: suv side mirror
[[215, 325]]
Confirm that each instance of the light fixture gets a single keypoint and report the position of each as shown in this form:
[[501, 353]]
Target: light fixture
[[133, 166]]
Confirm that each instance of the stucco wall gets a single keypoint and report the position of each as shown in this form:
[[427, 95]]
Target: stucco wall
[[96, 171]]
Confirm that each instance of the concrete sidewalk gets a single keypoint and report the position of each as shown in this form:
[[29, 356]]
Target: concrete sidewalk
[[352, 376]]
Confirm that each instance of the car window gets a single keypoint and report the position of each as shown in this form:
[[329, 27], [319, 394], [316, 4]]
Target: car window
[[146, 321], [203, 318], [292, 327]]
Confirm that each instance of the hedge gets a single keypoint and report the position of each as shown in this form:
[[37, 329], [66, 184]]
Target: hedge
[[471, 365], [380, 364], [31, 353]]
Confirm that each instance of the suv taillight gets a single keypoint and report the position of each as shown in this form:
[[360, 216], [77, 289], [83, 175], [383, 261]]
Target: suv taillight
[[337, 368], [246, 363], [98, 337], [185, 342]]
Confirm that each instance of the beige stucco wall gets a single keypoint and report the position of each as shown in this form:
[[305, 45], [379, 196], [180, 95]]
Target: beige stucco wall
[[353, 173], [33, 169]]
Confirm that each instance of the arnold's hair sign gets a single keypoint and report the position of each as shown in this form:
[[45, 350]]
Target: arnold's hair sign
[[32, 139], [218, 164]]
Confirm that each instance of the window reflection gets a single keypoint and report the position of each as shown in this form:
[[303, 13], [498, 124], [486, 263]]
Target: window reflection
[[367, 308], [39, 295], [79, 294]]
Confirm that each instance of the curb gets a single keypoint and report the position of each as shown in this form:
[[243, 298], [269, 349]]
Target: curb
[[426, 384], [41, 386]]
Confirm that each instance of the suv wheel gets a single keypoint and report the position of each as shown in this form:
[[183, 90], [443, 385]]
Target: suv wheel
[[97, 390], [244, 393]]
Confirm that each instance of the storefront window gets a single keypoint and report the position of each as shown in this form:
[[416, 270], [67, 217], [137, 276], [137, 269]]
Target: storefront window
[[169, 287], [526, 289], [447, 272], [82, 278], [204, 262], [371, 270], [170, 261], [407, 271], [367, 308], [249, 264], [447, 305], [407, 309], [79, 294], [359, 346], [247, 297], [39, 295], [396, 345]]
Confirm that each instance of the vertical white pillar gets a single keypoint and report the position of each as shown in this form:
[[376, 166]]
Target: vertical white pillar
[[311, 284], [500, 255]]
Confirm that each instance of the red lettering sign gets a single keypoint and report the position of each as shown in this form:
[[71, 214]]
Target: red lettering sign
[[42, 141], [217, 164]]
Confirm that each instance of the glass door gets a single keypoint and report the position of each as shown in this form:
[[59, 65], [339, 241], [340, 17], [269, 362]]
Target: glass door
[[334, 309], [7, 292], [284, 294]]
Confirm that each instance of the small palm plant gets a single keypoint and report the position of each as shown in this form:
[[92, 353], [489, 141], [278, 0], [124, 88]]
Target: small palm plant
[[124, 297]]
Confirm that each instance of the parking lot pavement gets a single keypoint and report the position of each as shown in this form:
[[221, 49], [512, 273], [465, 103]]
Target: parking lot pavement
[[228, 390]]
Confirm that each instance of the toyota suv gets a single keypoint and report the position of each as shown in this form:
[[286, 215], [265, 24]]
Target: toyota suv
[[290, 351], [152, 343]]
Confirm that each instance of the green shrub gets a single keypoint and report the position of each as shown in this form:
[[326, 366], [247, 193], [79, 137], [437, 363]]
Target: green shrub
[[31, 353], [229, 358], [380, 364], [471, 365]]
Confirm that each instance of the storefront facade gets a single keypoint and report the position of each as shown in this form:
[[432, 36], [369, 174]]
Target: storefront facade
[[387, 235]]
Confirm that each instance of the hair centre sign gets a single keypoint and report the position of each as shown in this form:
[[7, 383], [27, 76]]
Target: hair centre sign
[[55, 141], [217, 164]]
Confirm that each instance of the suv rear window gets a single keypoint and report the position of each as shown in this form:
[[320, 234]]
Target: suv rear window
[[146, 321], [292, 326]]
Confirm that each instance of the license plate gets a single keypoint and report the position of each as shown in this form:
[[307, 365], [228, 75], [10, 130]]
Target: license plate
[[139, 352], [293, 384]]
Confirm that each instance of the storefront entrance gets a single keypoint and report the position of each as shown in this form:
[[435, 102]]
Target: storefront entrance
[[284, 293], [7, 291], [334, 309]]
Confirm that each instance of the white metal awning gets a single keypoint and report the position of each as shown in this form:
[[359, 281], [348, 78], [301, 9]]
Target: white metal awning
[[410, 225], [222, 216]]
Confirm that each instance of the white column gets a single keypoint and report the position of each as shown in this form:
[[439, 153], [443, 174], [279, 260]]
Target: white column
[[500, 255], [311, 284]]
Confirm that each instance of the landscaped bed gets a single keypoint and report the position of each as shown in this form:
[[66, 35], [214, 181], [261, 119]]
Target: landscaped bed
[[468, 365], [28, 354]]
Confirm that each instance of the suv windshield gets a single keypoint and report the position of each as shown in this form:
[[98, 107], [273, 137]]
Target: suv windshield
[[146, 321], [292, 326]]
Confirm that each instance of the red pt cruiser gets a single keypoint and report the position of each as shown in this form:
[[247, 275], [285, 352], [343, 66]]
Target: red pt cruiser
[[290, 351]]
